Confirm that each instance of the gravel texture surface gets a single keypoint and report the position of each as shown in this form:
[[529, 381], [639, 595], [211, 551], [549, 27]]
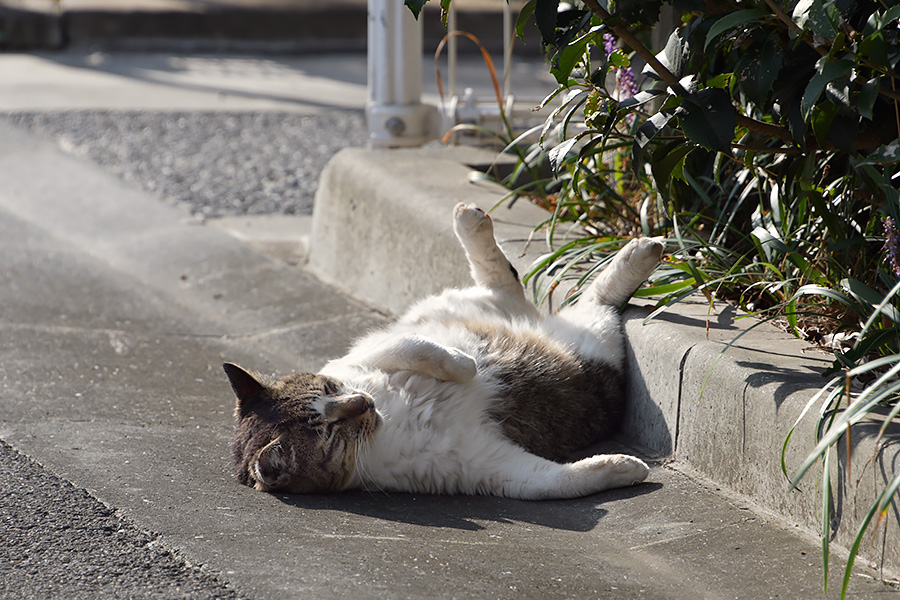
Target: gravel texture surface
[[216, 163], [60, 542]]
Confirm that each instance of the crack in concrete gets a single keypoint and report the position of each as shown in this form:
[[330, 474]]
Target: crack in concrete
[[681, 364]]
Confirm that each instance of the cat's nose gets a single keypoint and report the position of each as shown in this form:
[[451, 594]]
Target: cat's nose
[[349, 406]]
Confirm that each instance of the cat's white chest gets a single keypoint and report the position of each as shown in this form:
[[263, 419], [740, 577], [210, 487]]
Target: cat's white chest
[[432, 434]]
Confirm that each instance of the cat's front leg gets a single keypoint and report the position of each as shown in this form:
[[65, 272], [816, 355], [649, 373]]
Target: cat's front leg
[[416, 354], [544, 480]]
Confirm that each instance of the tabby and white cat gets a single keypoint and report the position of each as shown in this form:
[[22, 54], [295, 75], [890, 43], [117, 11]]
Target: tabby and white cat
[[471, 392]]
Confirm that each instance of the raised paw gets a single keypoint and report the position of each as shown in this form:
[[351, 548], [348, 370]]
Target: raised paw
[[641, 255], [470, 221]]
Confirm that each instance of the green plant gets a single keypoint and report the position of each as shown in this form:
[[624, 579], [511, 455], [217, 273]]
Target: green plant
[[763, 141]]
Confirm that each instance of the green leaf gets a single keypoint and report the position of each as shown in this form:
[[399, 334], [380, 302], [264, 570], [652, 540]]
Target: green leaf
[[818, 290], [638, 99], [817, 84], [875, 48], [732, 20], [566, 59], [545, 17], [817, 16], [445, 12], [821, 120], [759, 68], [865, 101], [892, 14], [415, 6], [619, 59], [651, 127], [854, 549], [838, 92], [671, 166], [557, 154], [861, 291], [661, 290], [708, 119], [883, 155], [674, 56], [721, 81], [522, 20]]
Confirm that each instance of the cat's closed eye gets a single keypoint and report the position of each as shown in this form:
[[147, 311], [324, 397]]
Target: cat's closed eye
[[330, 387]]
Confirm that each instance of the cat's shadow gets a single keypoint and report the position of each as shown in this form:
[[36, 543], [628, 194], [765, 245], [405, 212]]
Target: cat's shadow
[[471, 513]]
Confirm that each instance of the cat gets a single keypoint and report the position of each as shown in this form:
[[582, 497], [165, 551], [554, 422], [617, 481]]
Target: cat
[[470, 392]]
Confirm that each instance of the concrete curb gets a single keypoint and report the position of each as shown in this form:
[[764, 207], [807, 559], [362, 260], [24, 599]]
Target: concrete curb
[[381, 231]]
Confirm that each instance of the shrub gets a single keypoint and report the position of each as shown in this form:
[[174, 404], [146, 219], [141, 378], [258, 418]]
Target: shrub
[[763, 141]]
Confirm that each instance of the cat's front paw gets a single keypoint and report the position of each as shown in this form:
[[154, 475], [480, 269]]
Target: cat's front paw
[[470, 221], [461, 367]]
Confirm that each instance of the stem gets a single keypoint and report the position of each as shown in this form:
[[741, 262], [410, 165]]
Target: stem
[[896, 108]]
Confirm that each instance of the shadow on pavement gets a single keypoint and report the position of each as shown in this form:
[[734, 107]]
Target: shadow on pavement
[[467, 512]]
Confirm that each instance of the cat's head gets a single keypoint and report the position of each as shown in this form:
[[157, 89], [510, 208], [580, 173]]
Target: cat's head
[[300, 433]]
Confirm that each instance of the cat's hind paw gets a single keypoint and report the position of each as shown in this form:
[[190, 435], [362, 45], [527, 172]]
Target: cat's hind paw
[[641, 255], [609, 471]]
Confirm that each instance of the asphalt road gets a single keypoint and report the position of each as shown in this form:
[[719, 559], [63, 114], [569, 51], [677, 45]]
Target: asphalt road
[[61, 542]]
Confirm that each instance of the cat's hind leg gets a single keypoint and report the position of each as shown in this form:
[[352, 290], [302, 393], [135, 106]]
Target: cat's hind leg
[[529, 477], [490, 267], [631, 266], [592, 326]]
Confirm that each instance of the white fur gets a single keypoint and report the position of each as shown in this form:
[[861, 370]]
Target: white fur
[[424, 376]]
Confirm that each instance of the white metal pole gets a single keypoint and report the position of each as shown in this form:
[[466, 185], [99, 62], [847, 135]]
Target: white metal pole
[[395, 113], [452, 49], [508, 27]]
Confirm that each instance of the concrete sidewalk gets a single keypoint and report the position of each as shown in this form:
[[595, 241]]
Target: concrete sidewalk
[[116, 314]]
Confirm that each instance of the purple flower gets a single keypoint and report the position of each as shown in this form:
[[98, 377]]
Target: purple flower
[[609, 43], [892, 245], [625, 85]]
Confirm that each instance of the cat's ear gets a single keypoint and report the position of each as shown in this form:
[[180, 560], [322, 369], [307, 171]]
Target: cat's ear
[[247, 388]]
